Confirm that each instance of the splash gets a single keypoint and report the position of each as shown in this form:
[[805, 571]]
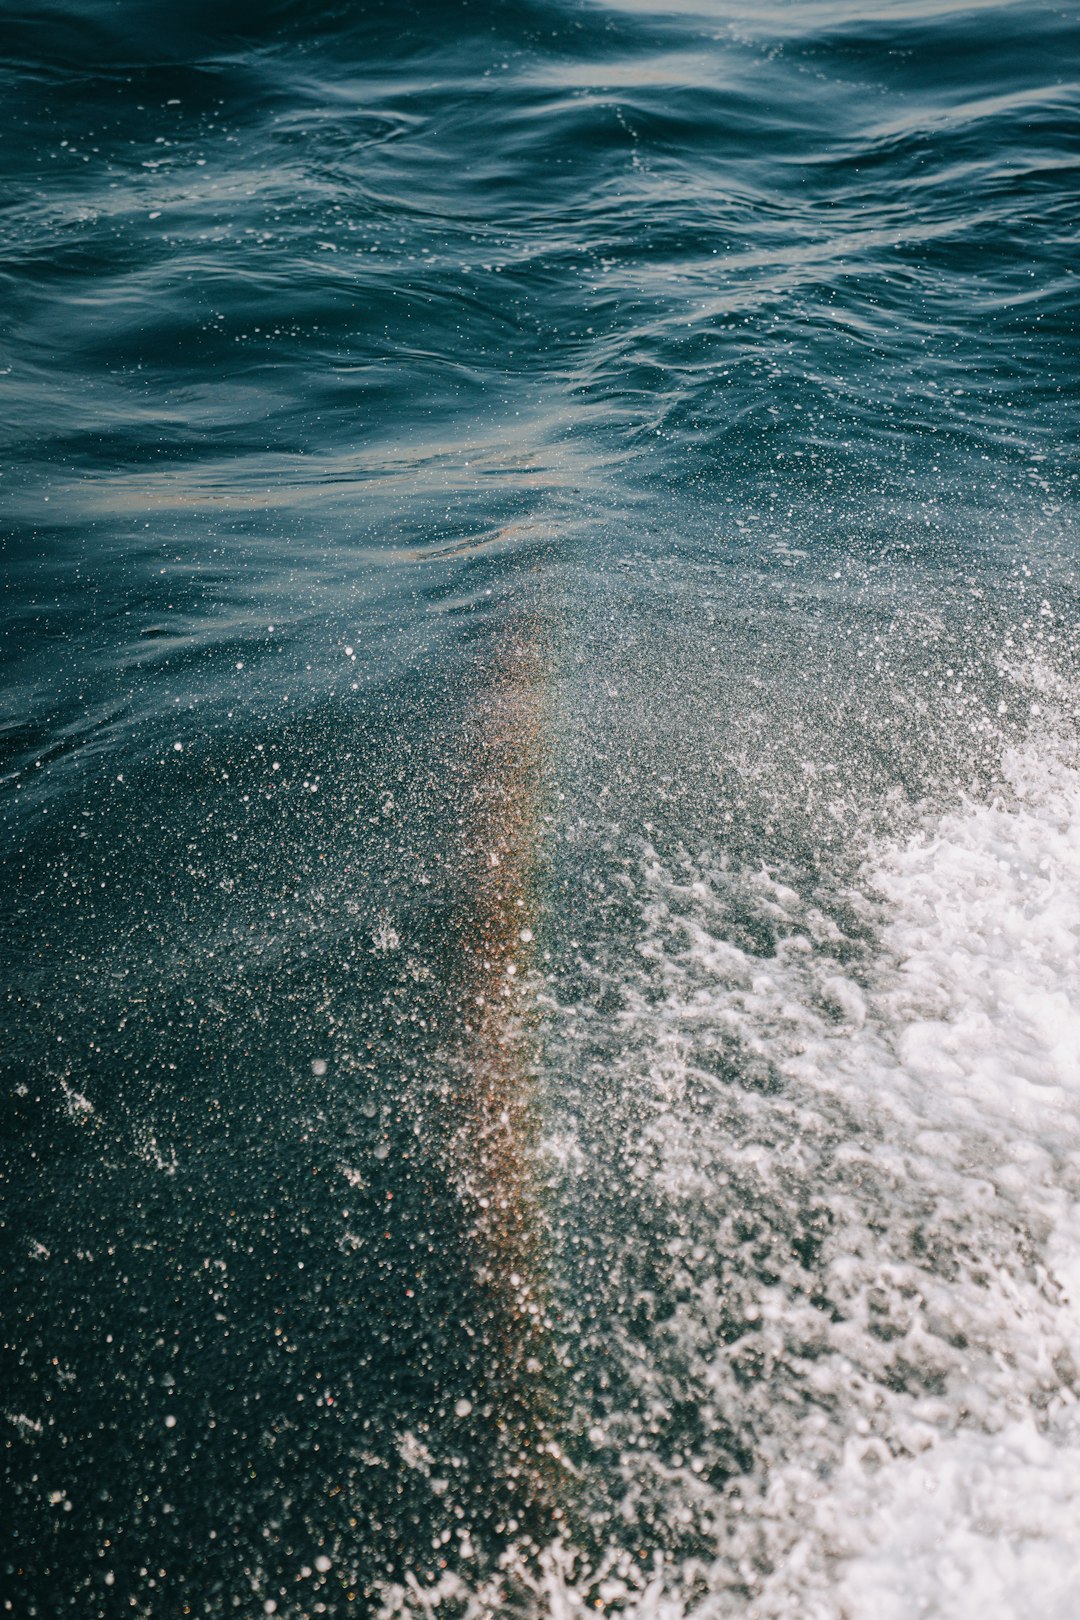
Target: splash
[[844, 1340]]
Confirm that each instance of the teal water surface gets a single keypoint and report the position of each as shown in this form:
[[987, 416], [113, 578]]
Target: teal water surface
[[520, 522]]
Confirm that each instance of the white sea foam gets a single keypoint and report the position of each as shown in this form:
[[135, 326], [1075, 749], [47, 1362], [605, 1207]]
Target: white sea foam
[[953, 1260], [866, 1142]]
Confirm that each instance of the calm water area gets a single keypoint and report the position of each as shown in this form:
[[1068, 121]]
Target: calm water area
[[540, 809]]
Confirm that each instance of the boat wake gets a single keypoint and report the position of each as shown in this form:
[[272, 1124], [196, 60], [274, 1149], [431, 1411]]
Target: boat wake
[[823, 1268]]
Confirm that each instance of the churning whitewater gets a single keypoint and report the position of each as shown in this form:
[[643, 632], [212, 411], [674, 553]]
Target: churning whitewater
[[862, 1143]]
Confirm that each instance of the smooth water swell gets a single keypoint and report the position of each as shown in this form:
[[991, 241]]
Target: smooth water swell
[[540, 809]]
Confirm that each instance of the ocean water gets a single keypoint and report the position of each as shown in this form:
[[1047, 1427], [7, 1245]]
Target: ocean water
[[541, 814]]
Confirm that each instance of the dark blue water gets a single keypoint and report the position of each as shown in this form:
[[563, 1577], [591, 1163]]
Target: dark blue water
[[541, 808]]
